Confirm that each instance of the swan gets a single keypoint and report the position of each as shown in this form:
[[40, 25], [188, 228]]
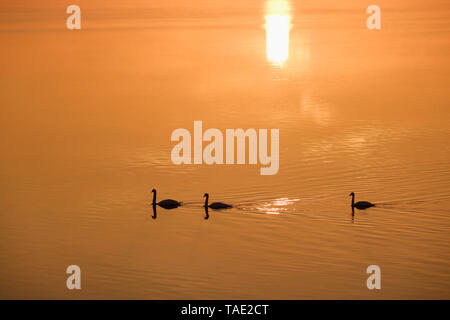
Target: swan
[[215, 205], [361, 205], [166, 204]]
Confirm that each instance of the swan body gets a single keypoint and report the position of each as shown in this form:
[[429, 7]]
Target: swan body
[[167, 203], [215, 205], [361, 205], [219, 205]]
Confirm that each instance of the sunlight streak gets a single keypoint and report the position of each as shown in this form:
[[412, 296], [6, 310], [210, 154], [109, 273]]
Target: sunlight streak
[[278, 25]]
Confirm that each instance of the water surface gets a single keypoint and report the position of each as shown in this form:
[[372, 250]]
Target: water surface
[[86, 119]]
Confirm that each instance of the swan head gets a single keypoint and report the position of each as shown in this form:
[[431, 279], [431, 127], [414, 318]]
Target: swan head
[[206, 195], [153, 190], [351, 194]]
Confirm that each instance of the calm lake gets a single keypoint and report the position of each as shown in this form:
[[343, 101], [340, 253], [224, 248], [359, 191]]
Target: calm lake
[[86, 121]]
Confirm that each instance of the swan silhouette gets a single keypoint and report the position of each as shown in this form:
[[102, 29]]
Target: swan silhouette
[[361, 205], [166, 204], [215, 205]]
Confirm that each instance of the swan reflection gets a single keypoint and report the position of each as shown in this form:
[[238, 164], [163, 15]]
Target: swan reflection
[[278, 25], [154, 211], [206, 213]]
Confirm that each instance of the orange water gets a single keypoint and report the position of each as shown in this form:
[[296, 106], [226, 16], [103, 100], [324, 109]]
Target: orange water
[[87, 115]]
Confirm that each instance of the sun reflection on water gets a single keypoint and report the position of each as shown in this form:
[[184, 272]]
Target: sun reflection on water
[[276, 206], [278, 25]]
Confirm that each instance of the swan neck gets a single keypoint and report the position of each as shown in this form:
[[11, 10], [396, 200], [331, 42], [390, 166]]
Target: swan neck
[[353, 200], [206, 201], [154, 197]]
